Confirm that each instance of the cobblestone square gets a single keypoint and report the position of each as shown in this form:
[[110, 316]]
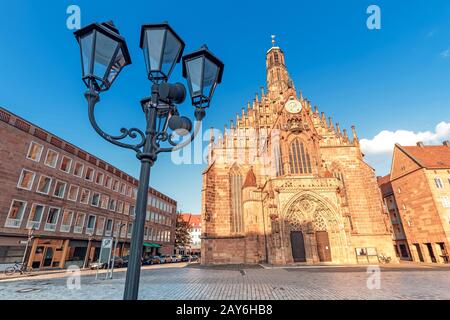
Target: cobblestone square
[[197, 283]]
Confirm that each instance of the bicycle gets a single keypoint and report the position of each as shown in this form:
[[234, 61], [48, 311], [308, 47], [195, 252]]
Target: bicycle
[[18, 267], [384, 259]]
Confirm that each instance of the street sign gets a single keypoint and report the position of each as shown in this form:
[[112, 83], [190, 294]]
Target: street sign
[[105, 250], [23, 242]]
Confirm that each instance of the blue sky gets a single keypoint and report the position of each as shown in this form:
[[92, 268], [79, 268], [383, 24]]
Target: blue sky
[[396, 78]]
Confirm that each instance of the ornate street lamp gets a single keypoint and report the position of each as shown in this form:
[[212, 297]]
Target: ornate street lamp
[[162, 50], [104, 54], [203, 71]]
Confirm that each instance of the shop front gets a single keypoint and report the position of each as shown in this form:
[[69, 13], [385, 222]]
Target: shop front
[[48, 253], [151, 249]]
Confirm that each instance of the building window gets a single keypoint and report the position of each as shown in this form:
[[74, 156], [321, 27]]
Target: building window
[[439, 183], [112, 205], [129, 229], [99, 178], [84, 198], [278, 160], [115, 185], [104, 200], [89, 175], [73, 193], [129, 191], [276, 57], [299, 158], [60, 189], [35, 218], [126, 208], [66, 164], [52, 219], [91, 224], [66, 222], [122, 188], [78, 169], [35, 151], [26, 180], [109, 226], [44, 185], [236, 201], [100, 226], [119, 206], [79, 223], [445, 202], [123, 231], [15, 214], [51, 158], [108, 182], [95, 201]]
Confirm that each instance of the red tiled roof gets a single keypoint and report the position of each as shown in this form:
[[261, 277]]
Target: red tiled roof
[[385, 185], [194, 220], [431, 157]]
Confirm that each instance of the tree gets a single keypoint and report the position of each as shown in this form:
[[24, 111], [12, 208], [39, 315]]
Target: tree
[[182, 236]]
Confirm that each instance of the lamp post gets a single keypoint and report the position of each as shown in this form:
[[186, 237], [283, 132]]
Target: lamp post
[[29, 239], [115, 248], [88, 251], [104, 54]]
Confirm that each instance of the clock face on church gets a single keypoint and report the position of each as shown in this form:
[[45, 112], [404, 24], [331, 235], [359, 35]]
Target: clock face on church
[[293, 106]]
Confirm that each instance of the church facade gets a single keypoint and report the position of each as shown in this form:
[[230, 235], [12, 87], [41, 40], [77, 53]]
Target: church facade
[[284, 185]]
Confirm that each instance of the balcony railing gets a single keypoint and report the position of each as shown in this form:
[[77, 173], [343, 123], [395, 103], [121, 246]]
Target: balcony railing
[[50, 226], [77, 229], [99, 232], [64, 228], [89, 230], [108, 233], [33, 225], [13, 223]]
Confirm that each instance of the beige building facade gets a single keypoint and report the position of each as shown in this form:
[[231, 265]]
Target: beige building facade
[[284, 185], [420, 179]]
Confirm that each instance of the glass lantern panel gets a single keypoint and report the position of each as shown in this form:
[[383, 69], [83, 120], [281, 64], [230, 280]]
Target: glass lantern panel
[[105, 48], [171, 51], [209, 77], [119, 63], [153, 49], [194, 69], [86, 52]]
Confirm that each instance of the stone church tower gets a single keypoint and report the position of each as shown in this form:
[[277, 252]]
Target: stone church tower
[[284, 185]]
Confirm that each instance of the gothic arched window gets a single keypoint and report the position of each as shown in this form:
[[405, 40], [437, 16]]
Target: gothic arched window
[[236, 201], [276, 57], [278, 160], [299, 158]]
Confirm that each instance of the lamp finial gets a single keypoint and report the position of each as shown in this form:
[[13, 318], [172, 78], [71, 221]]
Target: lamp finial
[[273, 40]]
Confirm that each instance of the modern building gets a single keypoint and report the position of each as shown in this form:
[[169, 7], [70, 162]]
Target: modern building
[[68, 200], [420, 180], [195, 232], [284, 184], [397, 231]]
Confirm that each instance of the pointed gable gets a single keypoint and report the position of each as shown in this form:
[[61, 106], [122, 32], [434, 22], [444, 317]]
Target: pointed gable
[[250, 179], [402, 163]]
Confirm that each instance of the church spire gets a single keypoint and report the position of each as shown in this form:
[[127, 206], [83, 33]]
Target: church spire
[[278, 79]]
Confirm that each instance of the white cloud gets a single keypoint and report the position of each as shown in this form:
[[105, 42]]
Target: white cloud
[[445, 54], [384, 141]]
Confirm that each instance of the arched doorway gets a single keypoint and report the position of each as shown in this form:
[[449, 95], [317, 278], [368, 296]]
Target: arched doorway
[[314, 230]]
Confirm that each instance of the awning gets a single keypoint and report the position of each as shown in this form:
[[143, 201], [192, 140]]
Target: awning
[[153, 245]]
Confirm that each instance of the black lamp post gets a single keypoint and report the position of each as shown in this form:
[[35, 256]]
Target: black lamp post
[[104, 53]]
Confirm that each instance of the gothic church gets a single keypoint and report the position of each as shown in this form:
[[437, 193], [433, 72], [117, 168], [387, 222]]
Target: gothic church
[[284, 185]]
